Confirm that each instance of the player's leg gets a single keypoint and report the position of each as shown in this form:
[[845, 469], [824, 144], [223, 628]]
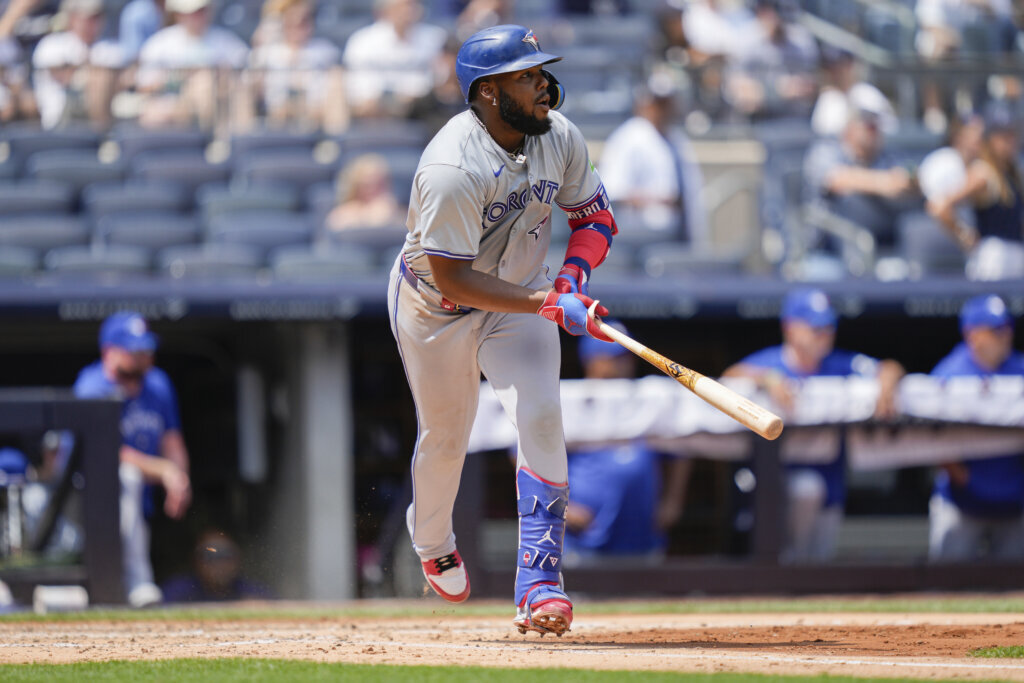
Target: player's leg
[[952, 535], [138, 571], [438, 351], [825, 538], [1008, 539], [520, 356], [806, 492]]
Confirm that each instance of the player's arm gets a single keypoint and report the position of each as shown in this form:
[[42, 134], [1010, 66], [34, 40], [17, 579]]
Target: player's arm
[[169, 475], [767, 379], [890, 373]]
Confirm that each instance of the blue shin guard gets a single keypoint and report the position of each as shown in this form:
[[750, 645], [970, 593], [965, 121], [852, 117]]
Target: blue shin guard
[[541, 530]]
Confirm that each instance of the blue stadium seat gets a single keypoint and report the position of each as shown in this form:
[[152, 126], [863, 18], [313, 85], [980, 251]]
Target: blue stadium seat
[[243, 145], [186, 169], [17, 262], [284, 169], [35, 196], [210, 261], [108, 199], [97, 260], [374, 136], [215, 199], [153, 230], [23, 140], [675, 259], [132, 141], [76, 167], [43, 231], [321, 262], [320, 199], [262, 230], [382, 240]]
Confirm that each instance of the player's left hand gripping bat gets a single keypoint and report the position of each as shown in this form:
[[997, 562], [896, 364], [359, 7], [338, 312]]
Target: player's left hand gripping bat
[[739, 408]]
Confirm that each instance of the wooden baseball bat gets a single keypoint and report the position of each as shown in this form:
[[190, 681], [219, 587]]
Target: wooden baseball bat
[[739, 408]]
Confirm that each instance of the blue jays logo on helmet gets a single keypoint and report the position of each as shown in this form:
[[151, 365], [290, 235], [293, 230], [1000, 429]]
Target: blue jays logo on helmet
[[498, 50]]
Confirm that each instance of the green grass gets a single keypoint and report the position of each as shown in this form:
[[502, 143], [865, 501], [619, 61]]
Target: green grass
[[214, 670], [1007, 651], [435, 608]]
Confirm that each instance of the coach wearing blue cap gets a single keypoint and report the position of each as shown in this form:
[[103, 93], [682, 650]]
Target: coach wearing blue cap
[[977, 507], [152, 448], [816, 493]]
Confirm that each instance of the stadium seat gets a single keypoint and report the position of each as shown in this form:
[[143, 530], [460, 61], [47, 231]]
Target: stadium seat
[[153, 230], [243, 145], [187, 169], [365, 136], [381, 240], [98, 260], [322, 262], [107, 199], [35, 196], [76, 167], [131, 141], [927, 245], [17, 262], [284, 169], [320, 199], [210, 261], [215, 199], [43, 231], [20, 141], [675, 259], [263, 230]]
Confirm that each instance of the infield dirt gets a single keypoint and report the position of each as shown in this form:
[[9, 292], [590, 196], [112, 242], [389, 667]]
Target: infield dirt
[[871, 645]]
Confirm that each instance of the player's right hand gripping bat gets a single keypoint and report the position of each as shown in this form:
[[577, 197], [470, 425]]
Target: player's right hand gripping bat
[[739, 408]]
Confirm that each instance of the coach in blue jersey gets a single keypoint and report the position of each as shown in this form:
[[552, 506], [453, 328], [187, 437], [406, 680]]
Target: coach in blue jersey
[[816, 492], [152, 448], [977, 507]]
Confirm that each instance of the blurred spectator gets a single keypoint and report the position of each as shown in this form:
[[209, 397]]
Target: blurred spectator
[[599, 7], [74, 71], [299, 75], [650, 170], [139, 20], [620, 504], [943, 174], [948, 28], [476, 15], [365, 196], [977, 507], [774, 74], [177, 63], [994, 189], [445, 98], [216, 574], [853, 177], [152, 448], [715, 28], [844, 83], [391, 62], [816, 493], [16, 99]]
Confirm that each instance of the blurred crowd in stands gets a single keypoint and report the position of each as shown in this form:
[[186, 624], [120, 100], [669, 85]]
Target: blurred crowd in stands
[[198, 137]]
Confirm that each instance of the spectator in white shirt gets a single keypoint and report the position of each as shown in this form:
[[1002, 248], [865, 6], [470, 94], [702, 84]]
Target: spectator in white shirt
[[298, 75], [73, 71], [390, 62], [943, 173], [650, 172], [843, 84], [714, 28], [178, 66]]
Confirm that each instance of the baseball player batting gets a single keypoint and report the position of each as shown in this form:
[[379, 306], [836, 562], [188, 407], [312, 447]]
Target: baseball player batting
[[470, 293]]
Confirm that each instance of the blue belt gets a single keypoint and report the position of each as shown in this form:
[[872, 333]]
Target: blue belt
[[413, 281]]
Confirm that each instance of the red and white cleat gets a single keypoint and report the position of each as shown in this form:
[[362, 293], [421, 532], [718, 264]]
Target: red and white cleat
[[547, 616], [447, 576]]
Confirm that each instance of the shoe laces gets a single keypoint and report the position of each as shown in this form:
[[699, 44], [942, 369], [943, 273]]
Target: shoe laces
[[443, 564]]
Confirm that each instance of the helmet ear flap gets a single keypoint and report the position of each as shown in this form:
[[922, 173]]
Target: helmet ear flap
[[555, 90]]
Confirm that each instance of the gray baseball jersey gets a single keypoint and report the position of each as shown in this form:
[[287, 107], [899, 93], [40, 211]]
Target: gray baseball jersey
[[471, 201]]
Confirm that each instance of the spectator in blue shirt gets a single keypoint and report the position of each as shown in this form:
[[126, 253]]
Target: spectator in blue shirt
[[152, 448], [620, 504], [977, 507], [139, 20], [816, 492]]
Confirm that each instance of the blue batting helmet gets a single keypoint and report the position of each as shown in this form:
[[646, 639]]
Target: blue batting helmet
[[499, 50]]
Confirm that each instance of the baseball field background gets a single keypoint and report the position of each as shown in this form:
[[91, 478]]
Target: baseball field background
[[978, 637]]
